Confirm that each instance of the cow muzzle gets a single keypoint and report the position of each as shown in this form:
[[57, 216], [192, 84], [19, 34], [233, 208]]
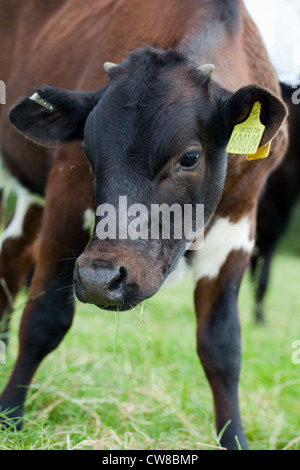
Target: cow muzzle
[[104, 285], [116, 276]]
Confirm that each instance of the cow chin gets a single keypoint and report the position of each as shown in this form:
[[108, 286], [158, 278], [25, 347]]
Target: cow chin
[[119, 308]]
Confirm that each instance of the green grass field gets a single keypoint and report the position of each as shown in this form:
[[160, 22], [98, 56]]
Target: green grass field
[[134, 381]]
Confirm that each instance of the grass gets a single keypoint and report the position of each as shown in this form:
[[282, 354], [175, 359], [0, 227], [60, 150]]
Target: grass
[[133, 380]]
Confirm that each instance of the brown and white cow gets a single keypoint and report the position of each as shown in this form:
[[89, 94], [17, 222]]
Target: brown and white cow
[[153, 128]]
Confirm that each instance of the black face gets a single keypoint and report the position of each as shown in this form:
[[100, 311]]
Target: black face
[[154, 136], [149, 139]]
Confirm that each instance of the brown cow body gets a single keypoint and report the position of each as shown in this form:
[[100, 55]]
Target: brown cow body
[[64, 44]]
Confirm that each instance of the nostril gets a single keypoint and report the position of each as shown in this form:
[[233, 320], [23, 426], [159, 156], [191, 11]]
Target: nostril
[[116, 283]]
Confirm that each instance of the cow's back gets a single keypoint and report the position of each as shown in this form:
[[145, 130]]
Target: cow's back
[[65, 43]]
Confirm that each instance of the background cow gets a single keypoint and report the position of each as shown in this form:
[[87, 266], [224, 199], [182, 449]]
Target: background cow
[[276, 206]]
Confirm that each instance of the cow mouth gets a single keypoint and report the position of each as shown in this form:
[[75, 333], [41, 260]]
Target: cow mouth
[[117, 308]]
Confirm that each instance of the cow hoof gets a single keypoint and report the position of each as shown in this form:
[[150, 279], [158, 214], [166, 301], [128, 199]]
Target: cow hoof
[[11, 418]]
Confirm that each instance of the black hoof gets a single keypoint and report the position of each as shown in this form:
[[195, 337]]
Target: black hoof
[[11, 418]]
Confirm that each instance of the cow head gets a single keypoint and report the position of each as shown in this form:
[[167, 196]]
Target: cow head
[[156, 134]]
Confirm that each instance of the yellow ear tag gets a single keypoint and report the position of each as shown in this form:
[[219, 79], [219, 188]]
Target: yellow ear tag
[[246, 137], [262, 152]]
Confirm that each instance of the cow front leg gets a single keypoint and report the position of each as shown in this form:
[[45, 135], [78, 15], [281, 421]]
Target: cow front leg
[[46, 319], [219, 269], [49, 312]]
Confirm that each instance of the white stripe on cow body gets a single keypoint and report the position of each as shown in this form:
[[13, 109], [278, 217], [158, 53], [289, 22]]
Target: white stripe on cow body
[[24, 199], [223, 238]]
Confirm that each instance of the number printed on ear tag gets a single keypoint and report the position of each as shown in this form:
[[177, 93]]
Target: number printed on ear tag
[[246, 137]]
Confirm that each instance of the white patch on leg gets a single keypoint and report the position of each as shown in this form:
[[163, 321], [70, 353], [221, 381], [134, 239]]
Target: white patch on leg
[[223, 237], [8, 184]]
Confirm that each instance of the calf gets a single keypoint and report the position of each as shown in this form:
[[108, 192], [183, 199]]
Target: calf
[[154, 129]]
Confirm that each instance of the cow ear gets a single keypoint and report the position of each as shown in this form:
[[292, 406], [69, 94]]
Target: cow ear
[[53, 116], [239, 106]]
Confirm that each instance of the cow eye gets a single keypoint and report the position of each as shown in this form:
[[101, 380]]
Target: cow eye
[[190, 160]]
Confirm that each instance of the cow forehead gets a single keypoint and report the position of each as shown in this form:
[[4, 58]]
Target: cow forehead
[[150, 111], [149, 93], [140, 141], [162, 121], [146, 70]]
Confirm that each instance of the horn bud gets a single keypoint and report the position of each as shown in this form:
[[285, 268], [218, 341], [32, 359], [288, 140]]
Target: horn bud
[[206, 70], [108, 66]]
